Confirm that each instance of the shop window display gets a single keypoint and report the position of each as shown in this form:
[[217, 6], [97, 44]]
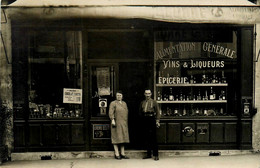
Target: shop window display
[[196, 77], [54, 67]]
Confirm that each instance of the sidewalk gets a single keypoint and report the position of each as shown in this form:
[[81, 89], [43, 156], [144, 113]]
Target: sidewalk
[[234, 161]]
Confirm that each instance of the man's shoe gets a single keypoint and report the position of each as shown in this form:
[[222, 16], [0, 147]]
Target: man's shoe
[[124, 157], [147, 157], [117, 157], [156, 158]]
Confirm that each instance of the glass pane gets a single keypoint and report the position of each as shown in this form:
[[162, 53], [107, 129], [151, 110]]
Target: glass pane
[[118, 45], [197, 78], [103, 89], [54, 64]]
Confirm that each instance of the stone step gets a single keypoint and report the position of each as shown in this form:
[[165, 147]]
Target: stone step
[[130, 153]]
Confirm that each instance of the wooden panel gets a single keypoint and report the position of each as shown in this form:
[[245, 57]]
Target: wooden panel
[[231, 132], [202, 133], [246, 61], [63, 134], [216, 133], [188, 138], [77, 134], [49, 134], [19, 135], [246, 132], [35, 135], [161, 134], [174, 133]]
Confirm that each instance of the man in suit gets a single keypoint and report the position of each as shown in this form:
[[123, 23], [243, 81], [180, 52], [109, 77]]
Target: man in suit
[[150, 115]]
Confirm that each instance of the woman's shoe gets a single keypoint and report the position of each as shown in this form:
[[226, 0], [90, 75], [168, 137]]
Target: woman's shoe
[[117, 157], [124, 157]]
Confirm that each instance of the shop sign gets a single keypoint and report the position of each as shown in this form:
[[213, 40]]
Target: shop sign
[[103, 81], [189, 64], [72, 96], [101, 131], [185, 47]]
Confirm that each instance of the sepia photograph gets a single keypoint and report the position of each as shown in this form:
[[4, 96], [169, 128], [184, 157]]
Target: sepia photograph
[[130, 83]]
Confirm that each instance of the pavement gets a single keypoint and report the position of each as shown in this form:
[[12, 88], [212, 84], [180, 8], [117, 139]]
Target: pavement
[[226, 161]]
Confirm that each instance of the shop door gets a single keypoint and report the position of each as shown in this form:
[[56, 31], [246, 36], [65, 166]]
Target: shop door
[[133, 79]]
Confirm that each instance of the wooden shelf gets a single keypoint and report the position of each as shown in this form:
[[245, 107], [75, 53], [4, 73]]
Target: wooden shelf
[[193, 101], [189, 84]]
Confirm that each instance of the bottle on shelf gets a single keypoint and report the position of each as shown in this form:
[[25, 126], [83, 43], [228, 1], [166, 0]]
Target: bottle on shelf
[[159, 96], [191, 79], [168, 111], [177, 97], [203, 79], [176, 112], [184, 111], [197, 111], [206, 95], [171, 98], [223, 94], [221, 111], [223, 78], [165, 97], [199, 96], [205, 111], [181, 96], [216, 79], [212, 95], [213, 77]]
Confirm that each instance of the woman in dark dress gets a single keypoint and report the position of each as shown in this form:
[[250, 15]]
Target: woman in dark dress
[[118, 114]]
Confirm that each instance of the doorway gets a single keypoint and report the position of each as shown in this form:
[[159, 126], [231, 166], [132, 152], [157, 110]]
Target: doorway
[[134, 77]]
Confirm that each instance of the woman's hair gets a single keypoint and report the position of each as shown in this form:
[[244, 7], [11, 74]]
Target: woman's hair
[[119, 91]]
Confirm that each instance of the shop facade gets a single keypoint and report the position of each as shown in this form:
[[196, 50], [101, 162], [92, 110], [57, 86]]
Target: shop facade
[[65, 73]]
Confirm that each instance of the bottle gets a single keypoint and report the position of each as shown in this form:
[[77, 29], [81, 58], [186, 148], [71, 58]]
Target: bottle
[[212, 95], [221, 111], [223, 95], [159, 96], [197, 112], [184, 112], [176, 112], [214, 77], [223, 78], [220, 96], [181, 96], [191, 79], [171, 98], [206, 95], [207, 79], [205, 112], [165, 97], [199, 96], [203, 79]]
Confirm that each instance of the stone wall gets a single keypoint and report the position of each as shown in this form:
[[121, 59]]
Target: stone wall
[[6, 78], [256, 118]]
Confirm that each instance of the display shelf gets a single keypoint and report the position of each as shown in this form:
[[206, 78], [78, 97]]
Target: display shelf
[[192, 84], [192, 101], [56, 120]]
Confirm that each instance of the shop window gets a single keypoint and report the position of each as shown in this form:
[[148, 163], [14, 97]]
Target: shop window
[[55, 75], [196, 76]]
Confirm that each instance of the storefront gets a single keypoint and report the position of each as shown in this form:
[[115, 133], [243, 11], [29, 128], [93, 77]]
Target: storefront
[[65, 73]]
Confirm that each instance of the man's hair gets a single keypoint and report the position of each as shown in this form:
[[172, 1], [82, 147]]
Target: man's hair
[[148, 89]]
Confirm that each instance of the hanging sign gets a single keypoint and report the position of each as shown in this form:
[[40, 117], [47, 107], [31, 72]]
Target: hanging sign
[[72, 96], [103, 81]]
